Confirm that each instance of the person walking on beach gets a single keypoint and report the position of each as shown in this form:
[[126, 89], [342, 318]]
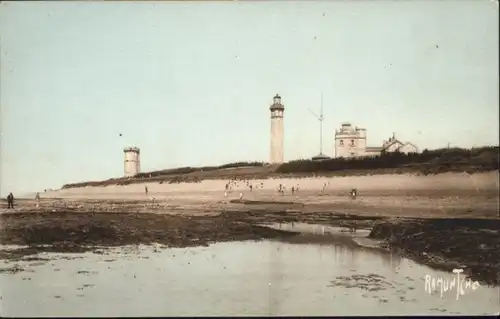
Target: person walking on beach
[[146, 190], [10, 201], [354, 193], [37, 198]]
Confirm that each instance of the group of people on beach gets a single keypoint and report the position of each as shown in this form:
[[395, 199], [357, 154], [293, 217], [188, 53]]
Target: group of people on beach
[[233, 182], [282, 188]]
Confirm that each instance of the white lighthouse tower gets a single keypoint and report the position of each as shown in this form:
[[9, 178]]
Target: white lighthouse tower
[[132, 164], [277, 110]]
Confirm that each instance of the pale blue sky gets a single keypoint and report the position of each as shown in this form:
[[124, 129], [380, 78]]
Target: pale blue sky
[[191, 83]]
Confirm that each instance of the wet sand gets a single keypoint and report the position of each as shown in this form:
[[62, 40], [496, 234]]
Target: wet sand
[[440, 243]]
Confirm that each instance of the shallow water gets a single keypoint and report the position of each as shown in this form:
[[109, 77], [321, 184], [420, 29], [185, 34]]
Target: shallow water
[[314, 229], [236, 278]]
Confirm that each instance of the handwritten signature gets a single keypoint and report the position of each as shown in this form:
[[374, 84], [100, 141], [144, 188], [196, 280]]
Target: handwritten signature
[[444, 285]]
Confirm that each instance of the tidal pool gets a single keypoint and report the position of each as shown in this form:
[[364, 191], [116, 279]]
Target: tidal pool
[[266, 278]]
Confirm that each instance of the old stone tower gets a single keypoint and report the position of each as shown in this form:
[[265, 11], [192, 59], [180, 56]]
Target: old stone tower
[[132, 162], [277, 110]]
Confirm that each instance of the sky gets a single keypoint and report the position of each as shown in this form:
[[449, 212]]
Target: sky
[[191, 83]]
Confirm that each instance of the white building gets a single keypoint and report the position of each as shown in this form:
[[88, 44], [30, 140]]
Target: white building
[[351, 142], [394, 145]]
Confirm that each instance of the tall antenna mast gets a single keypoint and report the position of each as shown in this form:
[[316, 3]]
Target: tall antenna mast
[[321, 126], [320, 119]]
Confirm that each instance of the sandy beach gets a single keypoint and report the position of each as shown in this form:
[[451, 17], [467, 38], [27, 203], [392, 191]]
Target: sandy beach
[[448, 194]]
